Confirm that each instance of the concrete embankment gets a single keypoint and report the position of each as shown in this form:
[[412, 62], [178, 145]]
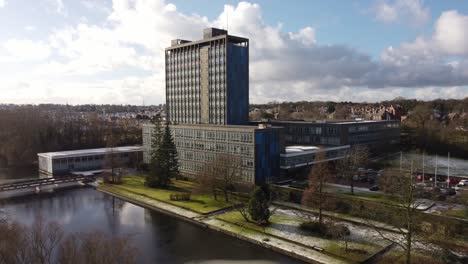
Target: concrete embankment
[[277, 244]]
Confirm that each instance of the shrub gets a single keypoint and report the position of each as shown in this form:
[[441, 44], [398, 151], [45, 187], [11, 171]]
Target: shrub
[[259, 205], [328, 230], [314, 227], [179, 197], [343, 207]]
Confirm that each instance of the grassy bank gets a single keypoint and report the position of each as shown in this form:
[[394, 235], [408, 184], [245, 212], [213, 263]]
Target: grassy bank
[[202, 204]]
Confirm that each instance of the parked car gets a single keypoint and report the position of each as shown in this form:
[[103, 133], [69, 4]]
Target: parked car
[[463, 182], [459, 187], [374, 188]]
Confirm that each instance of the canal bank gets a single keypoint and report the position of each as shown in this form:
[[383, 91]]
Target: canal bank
[[306, 253], [157, 237]]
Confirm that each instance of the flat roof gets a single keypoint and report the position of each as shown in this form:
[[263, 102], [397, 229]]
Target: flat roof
[[298, 150], [221, 127], [230, 38], [338, 122], [89, 152]]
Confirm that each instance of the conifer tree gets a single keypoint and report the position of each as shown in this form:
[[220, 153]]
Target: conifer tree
[[171, 150], [155, 166], [259, 205], [164, 163]]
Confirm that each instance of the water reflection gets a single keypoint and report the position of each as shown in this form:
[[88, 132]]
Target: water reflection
[[160, 238]]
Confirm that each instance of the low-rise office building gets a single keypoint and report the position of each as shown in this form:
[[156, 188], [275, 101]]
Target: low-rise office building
[[257, 147], [63, 162], [333, 133]]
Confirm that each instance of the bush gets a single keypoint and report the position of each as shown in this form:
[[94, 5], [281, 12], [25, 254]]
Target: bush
[[179, 197], [314, 227], [343, 207], [328, 230], [259, 205]]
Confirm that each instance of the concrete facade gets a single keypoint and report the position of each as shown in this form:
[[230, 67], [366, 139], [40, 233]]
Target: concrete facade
[[257, 148], [369, 133], [205, 79]]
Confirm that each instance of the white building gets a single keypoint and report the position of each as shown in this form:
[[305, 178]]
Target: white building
[[63, 162]]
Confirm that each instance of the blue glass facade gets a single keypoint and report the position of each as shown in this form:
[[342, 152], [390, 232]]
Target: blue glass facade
[[268, 148], [237, 98]]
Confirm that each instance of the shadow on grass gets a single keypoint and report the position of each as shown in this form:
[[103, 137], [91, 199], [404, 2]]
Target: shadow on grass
[[287, 228]]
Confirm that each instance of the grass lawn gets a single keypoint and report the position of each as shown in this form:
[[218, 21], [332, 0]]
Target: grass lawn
[[199, 203], [355, 254], [458, 213], [370, 196], [357, 251], [398, 257]]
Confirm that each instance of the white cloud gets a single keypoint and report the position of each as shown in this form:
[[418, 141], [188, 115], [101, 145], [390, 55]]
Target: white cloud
[[24, 50], [122, 60], [3, 3], [451, 33], [306, 36], [30, 28], [412, 11], [57, 6]]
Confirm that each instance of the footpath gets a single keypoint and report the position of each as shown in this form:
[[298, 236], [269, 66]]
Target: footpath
[[278, 241]]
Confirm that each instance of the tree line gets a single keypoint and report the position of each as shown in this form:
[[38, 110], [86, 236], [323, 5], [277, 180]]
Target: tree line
[[27, 131], [46, 243]]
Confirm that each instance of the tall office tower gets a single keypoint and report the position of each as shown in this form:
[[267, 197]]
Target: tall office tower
[[207, 81]]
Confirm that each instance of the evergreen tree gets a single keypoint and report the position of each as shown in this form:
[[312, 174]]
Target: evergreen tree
[[259, 205], [164, 163], [155, 166], [171, 152]]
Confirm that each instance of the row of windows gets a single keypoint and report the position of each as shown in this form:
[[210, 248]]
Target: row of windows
[[87, 158], [361, 128], [304, 130], [189, 168], [245, 137], [218, 147], [193, 66], [203, 156]]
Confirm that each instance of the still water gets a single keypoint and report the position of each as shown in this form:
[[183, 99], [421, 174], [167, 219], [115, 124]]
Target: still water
[[160, 238]]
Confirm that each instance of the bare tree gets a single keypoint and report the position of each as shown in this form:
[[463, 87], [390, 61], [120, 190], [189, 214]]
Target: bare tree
[[44, 240], [14, 246], [403, 214], [45, 243], [314, 194], [355, 157], [220, 175], [97, 248], [112, 160]]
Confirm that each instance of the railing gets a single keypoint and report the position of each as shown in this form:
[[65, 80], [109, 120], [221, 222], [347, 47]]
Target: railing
[[42, 182]]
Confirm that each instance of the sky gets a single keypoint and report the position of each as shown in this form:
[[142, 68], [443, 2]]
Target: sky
[[112, 51]]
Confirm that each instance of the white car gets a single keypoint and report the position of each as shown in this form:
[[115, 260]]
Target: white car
[[459, 187], [463, 182]]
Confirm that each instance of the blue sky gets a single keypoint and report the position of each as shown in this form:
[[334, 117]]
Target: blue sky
[[111, 51]]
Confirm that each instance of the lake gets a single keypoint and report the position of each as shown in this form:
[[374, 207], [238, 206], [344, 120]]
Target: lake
[[160, 238]]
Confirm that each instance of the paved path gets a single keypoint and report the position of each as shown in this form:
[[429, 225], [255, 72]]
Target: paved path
[[290, 248]]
